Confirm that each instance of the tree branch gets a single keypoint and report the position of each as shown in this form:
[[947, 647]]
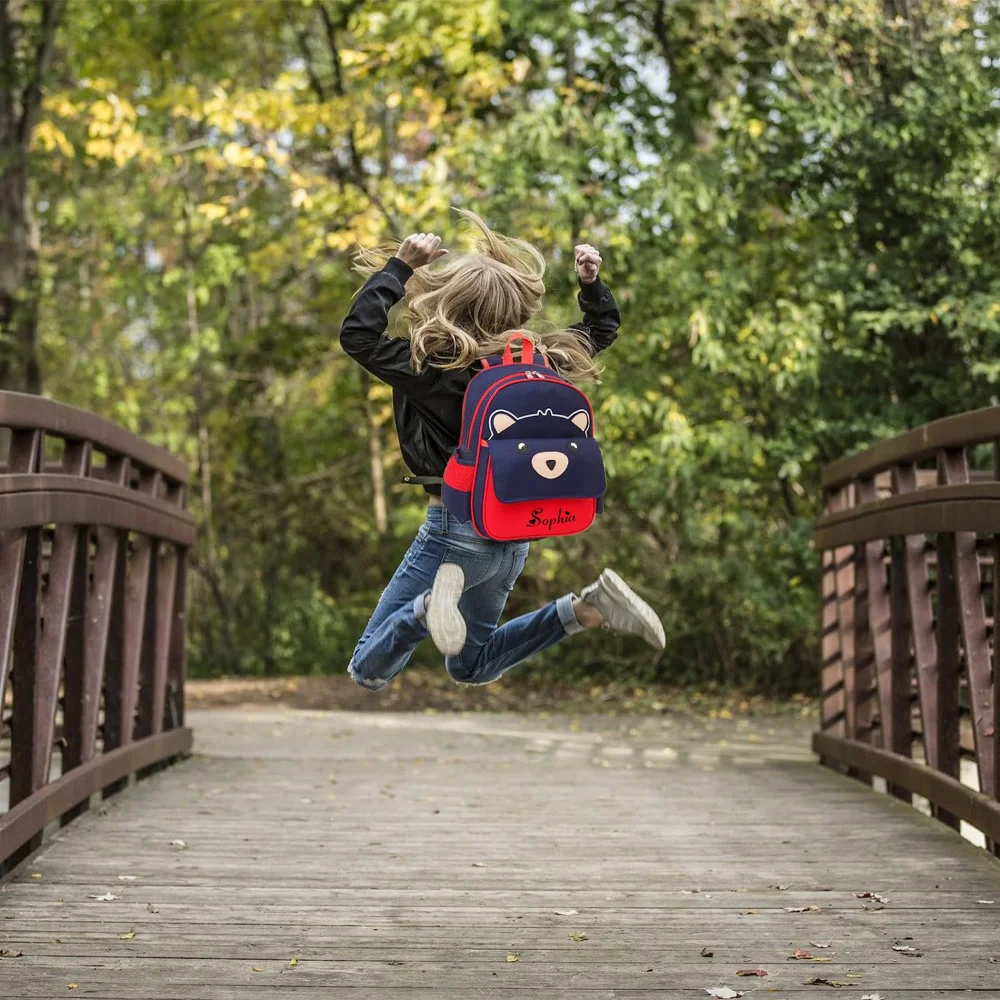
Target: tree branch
[[358, 174], [303, 43], [32, 102]]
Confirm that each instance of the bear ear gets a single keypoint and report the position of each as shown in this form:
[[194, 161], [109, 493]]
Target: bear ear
[[581, 419], [502, 421]]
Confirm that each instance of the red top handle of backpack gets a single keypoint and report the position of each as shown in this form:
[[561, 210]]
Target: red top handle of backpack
[[527, 351]]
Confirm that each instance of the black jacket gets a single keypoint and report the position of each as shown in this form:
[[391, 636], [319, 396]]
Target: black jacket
[[428, 406]]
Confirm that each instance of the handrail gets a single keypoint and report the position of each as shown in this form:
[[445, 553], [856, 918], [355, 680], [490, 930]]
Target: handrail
[[905, 625], [99, 555], [20, 411], [922, 443]]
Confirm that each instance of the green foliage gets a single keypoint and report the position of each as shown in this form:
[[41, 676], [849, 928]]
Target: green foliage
[[795, 201]]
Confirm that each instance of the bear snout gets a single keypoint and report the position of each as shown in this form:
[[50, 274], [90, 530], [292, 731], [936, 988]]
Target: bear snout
[[550, 464]]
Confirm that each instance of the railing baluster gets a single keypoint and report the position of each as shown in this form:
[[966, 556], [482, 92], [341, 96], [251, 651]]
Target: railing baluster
[[52, 644], [949, 657], [25, 454], [972, 619], [136, 625], [832, 708], [864, 645], [921, 619], [843, 560], [177, 664], [880, 627]]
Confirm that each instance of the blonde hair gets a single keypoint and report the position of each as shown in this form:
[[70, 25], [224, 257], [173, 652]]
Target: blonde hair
[[464, 308]]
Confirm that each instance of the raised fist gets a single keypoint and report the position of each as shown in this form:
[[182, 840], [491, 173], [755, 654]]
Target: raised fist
[[420, 249]]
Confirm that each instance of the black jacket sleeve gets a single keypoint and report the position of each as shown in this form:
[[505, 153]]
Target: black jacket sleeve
[[362, 334], [601, 318]]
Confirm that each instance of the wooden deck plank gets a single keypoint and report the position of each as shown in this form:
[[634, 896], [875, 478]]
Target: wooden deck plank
[[406, 856]]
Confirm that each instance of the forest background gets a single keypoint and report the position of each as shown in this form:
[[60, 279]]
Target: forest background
[[796, 200]]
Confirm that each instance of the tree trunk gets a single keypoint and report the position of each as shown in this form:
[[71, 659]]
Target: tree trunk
[[19, 278], [380, 504], [25, 56]]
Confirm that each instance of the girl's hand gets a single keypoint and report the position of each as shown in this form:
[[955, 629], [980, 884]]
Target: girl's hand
[[587, 262], [420, 249]]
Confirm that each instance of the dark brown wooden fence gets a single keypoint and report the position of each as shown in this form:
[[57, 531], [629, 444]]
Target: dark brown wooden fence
[[910, 685], [93, 544]]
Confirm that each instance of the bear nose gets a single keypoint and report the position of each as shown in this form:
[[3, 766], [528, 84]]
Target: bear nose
[[550, 464]]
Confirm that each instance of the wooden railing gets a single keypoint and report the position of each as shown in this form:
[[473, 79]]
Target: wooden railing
[[911, 544], [93, 545]]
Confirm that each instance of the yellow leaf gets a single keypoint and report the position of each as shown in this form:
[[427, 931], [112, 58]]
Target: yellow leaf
[[293, 963], [579, 936], [73, 986], [128, 935], [36, 874], [256, 968], [211, 210], [511, 957]]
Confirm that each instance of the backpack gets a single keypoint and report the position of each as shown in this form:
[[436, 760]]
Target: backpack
[[527, 465]]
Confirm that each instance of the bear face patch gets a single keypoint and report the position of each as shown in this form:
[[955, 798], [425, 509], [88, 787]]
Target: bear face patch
[[542, 427]]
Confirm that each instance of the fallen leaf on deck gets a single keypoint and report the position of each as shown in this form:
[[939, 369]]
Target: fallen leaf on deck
[[723, 993], [128, 935], [905, 949], [566, 913], [126, 878], [751, 972], [478, 864], [985, 902], [152, 909], [780, 888], [707, 953], [872, 996], [395, 963], [749, 913], [801, 909], [579, 936], [825, 982], [872, 895], [256, 968], [106, 898], [817, 944], [292, 963], [512, 957], [9, 953], [650, 969], [36, 874], [802, 956], [178, 843], [72, 986]]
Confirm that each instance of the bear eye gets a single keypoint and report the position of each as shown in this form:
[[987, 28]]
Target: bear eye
[[574, 446], [522, 446]]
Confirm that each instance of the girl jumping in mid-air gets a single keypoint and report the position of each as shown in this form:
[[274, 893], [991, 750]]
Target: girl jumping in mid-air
[[453, 584]]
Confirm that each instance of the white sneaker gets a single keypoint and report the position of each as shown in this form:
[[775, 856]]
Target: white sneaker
[[623, 609], [444, 621]]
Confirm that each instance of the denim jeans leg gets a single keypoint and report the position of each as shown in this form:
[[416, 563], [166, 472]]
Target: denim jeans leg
[[491, 651], [394, 631]]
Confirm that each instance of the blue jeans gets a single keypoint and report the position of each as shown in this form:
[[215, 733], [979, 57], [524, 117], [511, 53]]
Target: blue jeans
[[491, 570]]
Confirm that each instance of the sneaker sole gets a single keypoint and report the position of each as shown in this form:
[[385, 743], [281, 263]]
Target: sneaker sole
[[652, 626], [444, 621]]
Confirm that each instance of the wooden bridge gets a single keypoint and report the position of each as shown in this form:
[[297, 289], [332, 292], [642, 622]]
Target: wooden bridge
[[357, 856]]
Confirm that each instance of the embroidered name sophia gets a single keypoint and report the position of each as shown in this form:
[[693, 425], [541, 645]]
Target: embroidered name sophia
[[563, 517]]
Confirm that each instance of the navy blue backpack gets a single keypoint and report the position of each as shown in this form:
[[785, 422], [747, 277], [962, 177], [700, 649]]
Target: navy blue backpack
[[527, 465]]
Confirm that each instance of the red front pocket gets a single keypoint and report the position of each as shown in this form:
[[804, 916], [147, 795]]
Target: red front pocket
[[528, 520]]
